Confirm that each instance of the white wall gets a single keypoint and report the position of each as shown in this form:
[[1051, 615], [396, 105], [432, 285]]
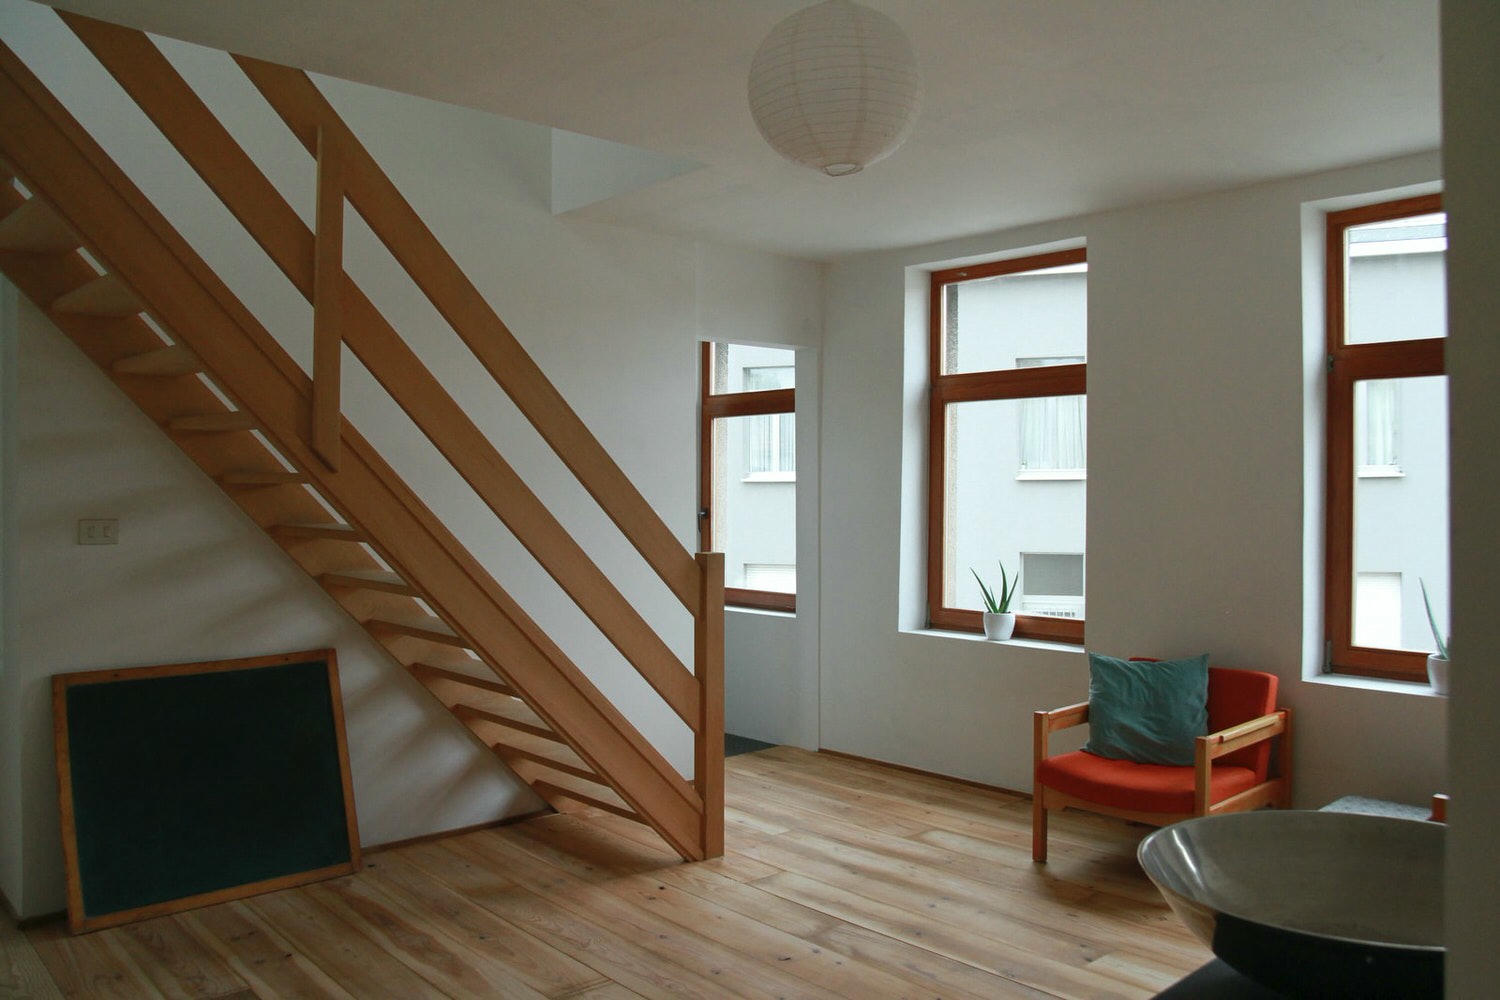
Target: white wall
[[1196, 503], [11, 870], [613, 316], [1471, 92], [192, 578]]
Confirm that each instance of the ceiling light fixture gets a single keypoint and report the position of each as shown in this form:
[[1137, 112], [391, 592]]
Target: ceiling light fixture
[[835, 87]]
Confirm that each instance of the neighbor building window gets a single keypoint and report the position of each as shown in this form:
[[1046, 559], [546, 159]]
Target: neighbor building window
[[1387, 488], [748, 471], [1052, 584], [1008, 441], [770, 438], [1054, 431]]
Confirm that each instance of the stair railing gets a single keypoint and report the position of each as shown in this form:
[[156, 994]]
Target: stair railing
[[312, 261]]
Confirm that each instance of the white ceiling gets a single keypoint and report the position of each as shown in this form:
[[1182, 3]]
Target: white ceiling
[[1034, 109]]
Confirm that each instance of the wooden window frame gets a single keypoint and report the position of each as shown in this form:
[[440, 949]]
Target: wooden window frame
[[1348, 364], [964, 387], [712, 406]]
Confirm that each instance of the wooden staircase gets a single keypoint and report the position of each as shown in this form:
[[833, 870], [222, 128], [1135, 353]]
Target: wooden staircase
[[80, 240]]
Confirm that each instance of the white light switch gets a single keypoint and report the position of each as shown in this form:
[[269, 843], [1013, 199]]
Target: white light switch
[[99, 531]]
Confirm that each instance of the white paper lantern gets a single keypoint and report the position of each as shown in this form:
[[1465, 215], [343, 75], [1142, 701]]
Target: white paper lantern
[[835, 87]]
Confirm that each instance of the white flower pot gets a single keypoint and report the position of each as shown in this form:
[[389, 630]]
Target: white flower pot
[[999, 626], [1437, 672]]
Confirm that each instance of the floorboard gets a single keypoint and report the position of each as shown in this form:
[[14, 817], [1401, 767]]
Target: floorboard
[[841, 878]]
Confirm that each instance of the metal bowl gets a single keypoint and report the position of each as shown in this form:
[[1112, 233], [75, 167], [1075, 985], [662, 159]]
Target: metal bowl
[[1310, 904]]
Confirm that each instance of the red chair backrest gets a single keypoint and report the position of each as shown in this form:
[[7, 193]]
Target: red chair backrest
[[1236, 696]]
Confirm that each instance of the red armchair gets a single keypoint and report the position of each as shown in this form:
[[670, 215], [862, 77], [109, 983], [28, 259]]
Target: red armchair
[[1231, 770]]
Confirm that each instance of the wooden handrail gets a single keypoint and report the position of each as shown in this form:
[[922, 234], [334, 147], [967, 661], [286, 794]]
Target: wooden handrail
[[63, 164], [209, 149], [305, 110]]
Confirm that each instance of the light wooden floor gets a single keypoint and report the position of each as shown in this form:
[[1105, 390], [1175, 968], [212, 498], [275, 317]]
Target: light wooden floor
[[842, 879]]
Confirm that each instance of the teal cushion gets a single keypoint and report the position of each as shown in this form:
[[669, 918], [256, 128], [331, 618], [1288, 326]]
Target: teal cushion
[[1148, 711]]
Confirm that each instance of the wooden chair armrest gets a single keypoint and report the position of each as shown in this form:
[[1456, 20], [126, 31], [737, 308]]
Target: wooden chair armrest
[[1044, 723], [1064, 718], [1245, 734], [1207, 748]]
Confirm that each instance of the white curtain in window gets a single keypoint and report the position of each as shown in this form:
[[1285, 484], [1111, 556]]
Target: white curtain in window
[[1053, 433], [771, 443], [1376, 438]]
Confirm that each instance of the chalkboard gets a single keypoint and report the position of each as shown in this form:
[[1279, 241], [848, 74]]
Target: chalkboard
[[190, 784]]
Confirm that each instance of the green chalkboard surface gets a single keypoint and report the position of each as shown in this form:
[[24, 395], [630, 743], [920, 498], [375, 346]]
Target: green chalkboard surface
[[190, 784]]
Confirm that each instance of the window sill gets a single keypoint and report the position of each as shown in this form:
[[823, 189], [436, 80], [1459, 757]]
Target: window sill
[[1051, 475], [770, 477], [1419, 689], [1048, 644], [1380, 472]]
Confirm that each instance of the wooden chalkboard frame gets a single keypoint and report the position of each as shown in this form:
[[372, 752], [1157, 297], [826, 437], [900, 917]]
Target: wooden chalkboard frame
[[78, 919]]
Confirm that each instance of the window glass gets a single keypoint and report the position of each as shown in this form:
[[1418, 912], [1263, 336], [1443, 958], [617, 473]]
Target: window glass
[[992, 323], [1396, 282], [1401, 520], [745, 368], [755, 514], [993, 516]]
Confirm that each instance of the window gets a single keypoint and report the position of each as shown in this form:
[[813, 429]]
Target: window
[[770, 438], [1008, 441], [1387, 488], [748, 472], [1052, 584], [1377, 420], [1054, 431]]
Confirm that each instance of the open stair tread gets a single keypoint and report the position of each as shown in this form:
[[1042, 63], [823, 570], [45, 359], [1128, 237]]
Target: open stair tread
[[556, 788], [331, 530], [166, 361], [427, 627], [213, 423], [257, 478], [512, 715], [430, 675], [388, 583], [545, 751], [33, 227], [106, 295]]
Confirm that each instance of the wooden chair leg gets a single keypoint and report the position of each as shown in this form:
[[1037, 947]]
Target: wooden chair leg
[[1038, 826]]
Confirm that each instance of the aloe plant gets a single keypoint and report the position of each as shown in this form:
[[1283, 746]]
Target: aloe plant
[[1437, 635], [1007, 591]]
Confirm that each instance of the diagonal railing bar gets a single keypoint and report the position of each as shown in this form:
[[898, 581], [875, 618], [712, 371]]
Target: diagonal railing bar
[[62, 164], [327, 300], [305, 110], [209, 149]]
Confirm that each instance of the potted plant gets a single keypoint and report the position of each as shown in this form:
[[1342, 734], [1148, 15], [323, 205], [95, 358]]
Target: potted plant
[[999, 622], [1437, 663]]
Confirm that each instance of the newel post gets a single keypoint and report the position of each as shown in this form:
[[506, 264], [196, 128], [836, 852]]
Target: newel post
[[708, 667]]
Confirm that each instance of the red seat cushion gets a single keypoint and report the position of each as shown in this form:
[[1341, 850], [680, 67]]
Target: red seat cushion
[[1124, 784]]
